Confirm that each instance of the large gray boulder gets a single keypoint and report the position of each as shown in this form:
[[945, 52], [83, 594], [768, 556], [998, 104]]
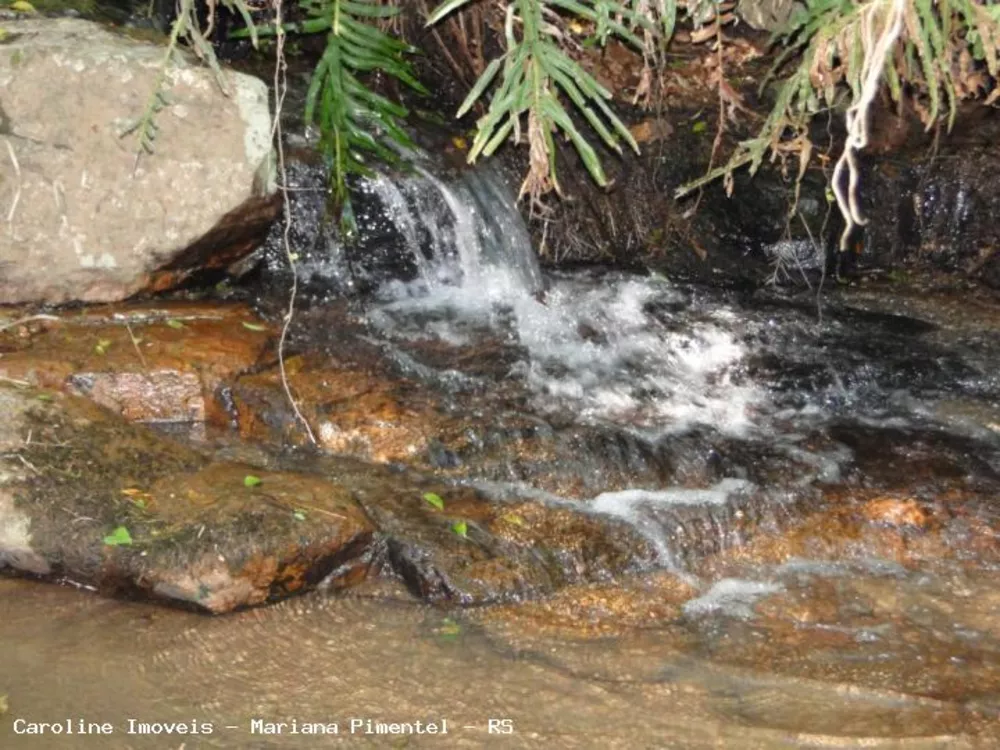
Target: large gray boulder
[[80, 217]]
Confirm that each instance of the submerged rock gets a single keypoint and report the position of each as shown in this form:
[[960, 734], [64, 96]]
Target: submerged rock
[[88, 498], [477, 551], [89, 219]]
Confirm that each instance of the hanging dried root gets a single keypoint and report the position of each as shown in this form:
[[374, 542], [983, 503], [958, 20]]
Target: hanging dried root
[[880, 30], [933, 54]]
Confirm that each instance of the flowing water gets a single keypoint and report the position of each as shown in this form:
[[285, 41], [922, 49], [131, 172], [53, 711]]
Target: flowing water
[[820, 491]]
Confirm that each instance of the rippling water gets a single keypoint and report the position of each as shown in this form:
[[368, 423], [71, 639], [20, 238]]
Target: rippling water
[[821, 492], [318, 660]]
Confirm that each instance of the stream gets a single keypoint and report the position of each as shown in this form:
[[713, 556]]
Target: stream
[[817, 484]]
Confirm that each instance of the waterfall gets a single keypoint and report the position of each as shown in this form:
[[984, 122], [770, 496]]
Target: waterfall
[[423, 225], [446, 256], [444, 231]]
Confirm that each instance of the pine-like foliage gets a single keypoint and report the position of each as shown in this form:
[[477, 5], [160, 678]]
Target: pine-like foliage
[[536, 75], [355, 123], [833, 55], [186, 27]]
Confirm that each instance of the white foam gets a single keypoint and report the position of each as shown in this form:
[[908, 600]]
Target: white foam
[[730, 596], [623, 502], [631, 506], [604, 348], [594, 348]]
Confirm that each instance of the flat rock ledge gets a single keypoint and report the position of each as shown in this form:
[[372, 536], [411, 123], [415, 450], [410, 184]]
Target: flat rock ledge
[[89, 498]]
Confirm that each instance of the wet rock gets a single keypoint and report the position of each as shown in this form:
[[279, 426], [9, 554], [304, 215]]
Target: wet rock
[[352, 410], [499, 551], [586, 611], [357, 406], [692, 524], [895, 512], [922, 641], [639, 224], [149, 363], [89, 221], [952, 528], [455, 411], [410, 224], [88, 498], [831, 625], [899, 458], [936, 211]]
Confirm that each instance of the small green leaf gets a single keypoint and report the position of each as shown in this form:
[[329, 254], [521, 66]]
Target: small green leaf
[[434, 499], [119, 537], [22, 6], [174, 323], [44, 397], [251, 481], [461, 528], [449, 628], [102, 346], [513, 519], [254, 326], [299, 515], [699, 127]]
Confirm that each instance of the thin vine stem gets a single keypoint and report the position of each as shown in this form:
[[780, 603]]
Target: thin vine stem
[[280, 90]]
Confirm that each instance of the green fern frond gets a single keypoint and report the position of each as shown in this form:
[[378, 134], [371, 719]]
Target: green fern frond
[[184, 27], [833, 41], [356, 125], [534, 76]]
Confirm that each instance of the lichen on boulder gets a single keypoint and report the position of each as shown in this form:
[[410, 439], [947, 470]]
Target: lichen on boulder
[[88, 215]]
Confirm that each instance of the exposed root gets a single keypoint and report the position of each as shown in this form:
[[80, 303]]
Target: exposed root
[[280, 90], [135, 344], [877, 45]]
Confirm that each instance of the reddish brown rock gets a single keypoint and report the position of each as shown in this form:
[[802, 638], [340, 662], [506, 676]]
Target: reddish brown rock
[[150, 363], [586, 611], [892, 511], [357, 405], [476, 550], [88, 498], [955, 527], [351, 410], [293, 530]]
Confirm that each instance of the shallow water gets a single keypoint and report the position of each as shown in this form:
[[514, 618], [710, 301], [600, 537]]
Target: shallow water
[[323, 660], [821, 493]]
